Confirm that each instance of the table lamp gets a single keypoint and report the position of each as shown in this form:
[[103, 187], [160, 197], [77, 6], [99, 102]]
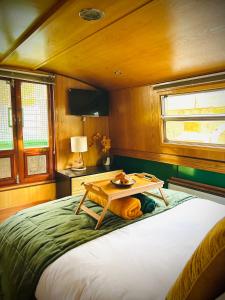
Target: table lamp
[[79, 144]]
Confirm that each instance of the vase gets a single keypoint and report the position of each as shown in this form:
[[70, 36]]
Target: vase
[[107, 160]]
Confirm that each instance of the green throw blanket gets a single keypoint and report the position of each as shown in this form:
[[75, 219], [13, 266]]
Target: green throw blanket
[[147, 204], [35, 237]]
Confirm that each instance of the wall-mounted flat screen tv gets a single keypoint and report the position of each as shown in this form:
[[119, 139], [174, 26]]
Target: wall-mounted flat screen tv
[[88, 102]]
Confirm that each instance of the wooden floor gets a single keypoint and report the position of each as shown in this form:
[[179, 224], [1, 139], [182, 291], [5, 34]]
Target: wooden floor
[[7, 212]]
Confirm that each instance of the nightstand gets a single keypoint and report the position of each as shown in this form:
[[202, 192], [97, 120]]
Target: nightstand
[[70, 182]]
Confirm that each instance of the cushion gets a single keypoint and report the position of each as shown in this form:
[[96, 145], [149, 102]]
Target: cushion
[[203, 277]]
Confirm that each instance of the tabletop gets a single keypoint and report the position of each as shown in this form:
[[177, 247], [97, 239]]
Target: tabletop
[[110, 191]]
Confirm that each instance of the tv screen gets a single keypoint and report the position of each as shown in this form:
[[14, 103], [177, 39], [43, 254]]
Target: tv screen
[[88, 102]]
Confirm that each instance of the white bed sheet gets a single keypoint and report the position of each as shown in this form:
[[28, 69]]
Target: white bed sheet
[[137, 262]]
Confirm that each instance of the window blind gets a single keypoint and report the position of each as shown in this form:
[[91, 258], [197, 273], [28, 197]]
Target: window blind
[[40, 77], [211, 78]]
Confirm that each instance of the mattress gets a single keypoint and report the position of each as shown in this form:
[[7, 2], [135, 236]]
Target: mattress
[[137, 262]]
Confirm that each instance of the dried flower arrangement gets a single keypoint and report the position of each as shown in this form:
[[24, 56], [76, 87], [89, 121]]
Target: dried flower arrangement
[[103, 140]]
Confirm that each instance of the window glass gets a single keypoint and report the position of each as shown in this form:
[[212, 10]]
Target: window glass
[[34, 100], [36, 164], [207, 132], [5, 167], [204, 103], [6, 130], [195, 117]]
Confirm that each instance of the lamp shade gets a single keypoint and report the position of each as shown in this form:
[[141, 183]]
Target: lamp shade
[[78, 144]]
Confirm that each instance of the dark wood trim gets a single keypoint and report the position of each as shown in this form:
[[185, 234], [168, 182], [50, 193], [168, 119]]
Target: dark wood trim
[[19, 129], [15, 124], [51, 120], [211, 189], [12, 154], [24, 177]]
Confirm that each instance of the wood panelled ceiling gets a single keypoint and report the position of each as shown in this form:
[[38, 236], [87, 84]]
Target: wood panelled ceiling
[[137, 42], [17, 18]]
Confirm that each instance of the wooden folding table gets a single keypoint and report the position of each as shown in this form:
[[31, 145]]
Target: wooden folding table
[[107, 190]]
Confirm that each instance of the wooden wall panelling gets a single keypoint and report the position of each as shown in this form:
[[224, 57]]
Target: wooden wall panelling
[[24, 195], [119, 131], [155, 126], [210, 153], [128, 120], [92, 125], [201, 164], [12, 201], [67, 125], [142, 137]]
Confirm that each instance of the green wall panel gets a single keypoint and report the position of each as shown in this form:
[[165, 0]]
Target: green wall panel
[[165, 171], [129, 165], [202, 176]]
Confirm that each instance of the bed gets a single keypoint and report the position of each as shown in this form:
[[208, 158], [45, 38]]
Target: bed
[[139, 261]]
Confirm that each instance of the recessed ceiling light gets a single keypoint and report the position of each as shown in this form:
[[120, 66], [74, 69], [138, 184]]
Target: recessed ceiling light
[[91, 14]]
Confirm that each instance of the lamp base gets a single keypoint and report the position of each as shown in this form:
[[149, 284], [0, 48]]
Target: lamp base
[[78, 168]]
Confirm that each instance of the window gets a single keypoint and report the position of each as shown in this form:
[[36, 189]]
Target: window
[[26, 152], [194, 118]]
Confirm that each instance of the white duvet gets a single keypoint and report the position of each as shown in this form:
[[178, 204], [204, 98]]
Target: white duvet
[[140, 261]]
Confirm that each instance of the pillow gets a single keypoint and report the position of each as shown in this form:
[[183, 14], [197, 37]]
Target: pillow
[[203, 277]]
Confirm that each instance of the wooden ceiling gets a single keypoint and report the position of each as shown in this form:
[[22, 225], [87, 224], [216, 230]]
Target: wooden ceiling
[[138, 42]]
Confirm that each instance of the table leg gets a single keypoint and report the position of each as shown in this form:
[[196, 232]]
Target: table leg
[[81, 202], [163, 197], [102, 215]]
